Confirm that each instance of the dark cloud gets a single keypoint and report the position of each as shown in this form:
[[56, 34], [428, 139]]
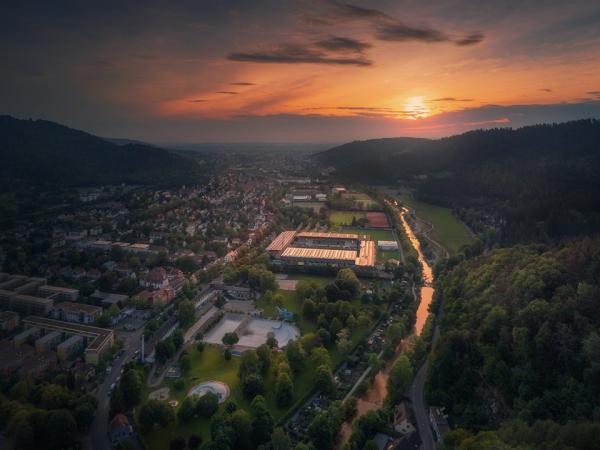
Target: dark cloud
[[348, 11], [297, 54], [198, 100], [343, 44], [243, 83], [400, 32], [227, 92], [451, 99], [594, 93], [471, 39], [546, 90]]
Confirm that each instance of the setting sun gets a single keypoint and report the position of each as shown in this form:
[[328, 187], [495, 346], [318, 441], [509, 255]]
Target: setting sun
[[415, 108]]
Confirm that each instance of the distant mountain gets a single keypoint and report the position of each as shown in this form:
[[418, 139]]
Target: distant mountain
[[41, 153], [125, 141], [545, 178]]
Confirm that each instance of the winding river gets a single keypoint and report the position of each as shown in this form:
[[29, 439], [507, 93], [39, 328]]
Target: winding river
[[377, 393], [426, 289]]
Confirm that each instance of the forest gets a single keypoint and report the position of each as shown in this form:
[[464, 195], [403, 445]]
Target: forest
[[520, 346], [537, 183], [42, 154]]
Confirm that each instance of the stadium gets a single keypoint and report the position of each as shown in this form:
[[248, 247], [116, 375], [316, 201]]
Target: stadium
[[332, 250]]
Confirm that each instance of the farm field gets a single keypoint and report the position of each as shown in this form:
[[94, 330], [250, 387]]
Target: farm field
[[448, 230], [342, 218]]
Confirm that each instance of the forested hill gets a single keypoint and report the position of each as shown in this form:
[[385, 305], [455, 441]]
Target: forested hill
[[519, 345], [544, 180], [42, 153]]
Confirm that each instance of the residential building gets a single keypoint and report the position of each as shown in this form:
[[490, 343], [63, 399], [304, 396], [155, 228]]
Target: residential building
[[76, 312], [119, 429]]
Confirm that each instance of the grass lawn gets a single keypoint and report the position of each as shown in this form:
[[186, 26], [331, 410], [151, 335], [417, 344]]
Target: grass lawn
[[384, 255], [208, 365], [375, 234], [448, 230], [341, 218]]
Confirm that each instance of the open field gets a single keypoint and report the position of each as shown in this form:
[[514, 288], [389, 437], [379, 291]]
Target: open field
[[448, 230], [341, 218]]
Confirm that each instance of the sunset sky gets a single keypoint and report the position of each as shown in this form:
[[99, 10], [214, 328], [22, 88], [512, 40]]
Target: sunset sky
[[299, 71]]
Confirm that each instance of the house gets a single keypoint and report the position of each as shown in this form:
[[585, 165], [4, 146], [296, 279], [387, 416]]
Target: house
[[231, 256], [9, 320], [107, 299], [119, 429], [402, 421], [155, 279], [439, 422]]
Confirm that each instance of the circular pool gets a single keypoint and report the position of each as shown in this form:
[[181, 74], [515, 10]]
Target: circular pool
[[221, 390]]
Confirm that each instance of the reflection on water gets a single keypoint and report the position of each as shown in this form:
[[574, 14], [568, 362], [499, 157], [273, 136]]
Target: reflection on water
[[426, 290]]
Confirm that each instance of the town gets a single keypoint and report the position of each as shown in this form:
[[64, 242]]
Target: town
[[157, 302]]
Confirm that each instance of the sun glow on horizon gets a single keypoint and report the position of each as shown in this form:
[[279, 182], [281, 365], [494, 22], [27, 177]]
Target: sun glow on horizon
[[416, 108]]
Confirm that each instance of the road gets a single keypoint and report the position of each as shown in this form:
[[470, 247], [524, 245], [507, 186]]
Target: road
[[97, 438]]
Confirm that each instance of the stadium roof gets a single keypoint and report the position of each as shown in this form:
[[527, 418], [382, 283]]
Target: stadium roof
[[318, 253], [312, 234], [282, 241]]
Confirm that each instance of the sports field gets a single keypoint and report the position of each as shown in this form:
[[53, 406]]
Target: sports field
[[375, 234], [341, 218]]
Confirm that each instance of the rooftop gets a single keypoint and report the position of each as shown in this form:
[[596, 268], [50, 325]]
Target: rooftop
[[318, 253], [312, 234]]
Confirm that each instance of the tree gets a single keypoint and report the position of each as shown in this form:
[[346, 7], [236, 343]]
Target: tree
[[253, 385], [185, 363], [320, 357], [324, 380], [230, 339], [187, 410], [178, 443], [346, 280], [60, 429], [401, 375], [284, 390], [322, 431], [280, 440], [194, 442], [24, 438], [187, 313], [200, 347], [207, 405], [349, 408], [227, 354], [264, 355], [131, 386], [155, 412], [262, 422], [295, 356], [164, 350], [241, 422], [309, 309]]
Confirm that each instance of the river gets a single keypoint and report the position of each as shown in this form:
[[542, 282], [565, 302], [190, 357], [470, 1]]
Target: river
[[377, 393], [427, 289]]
